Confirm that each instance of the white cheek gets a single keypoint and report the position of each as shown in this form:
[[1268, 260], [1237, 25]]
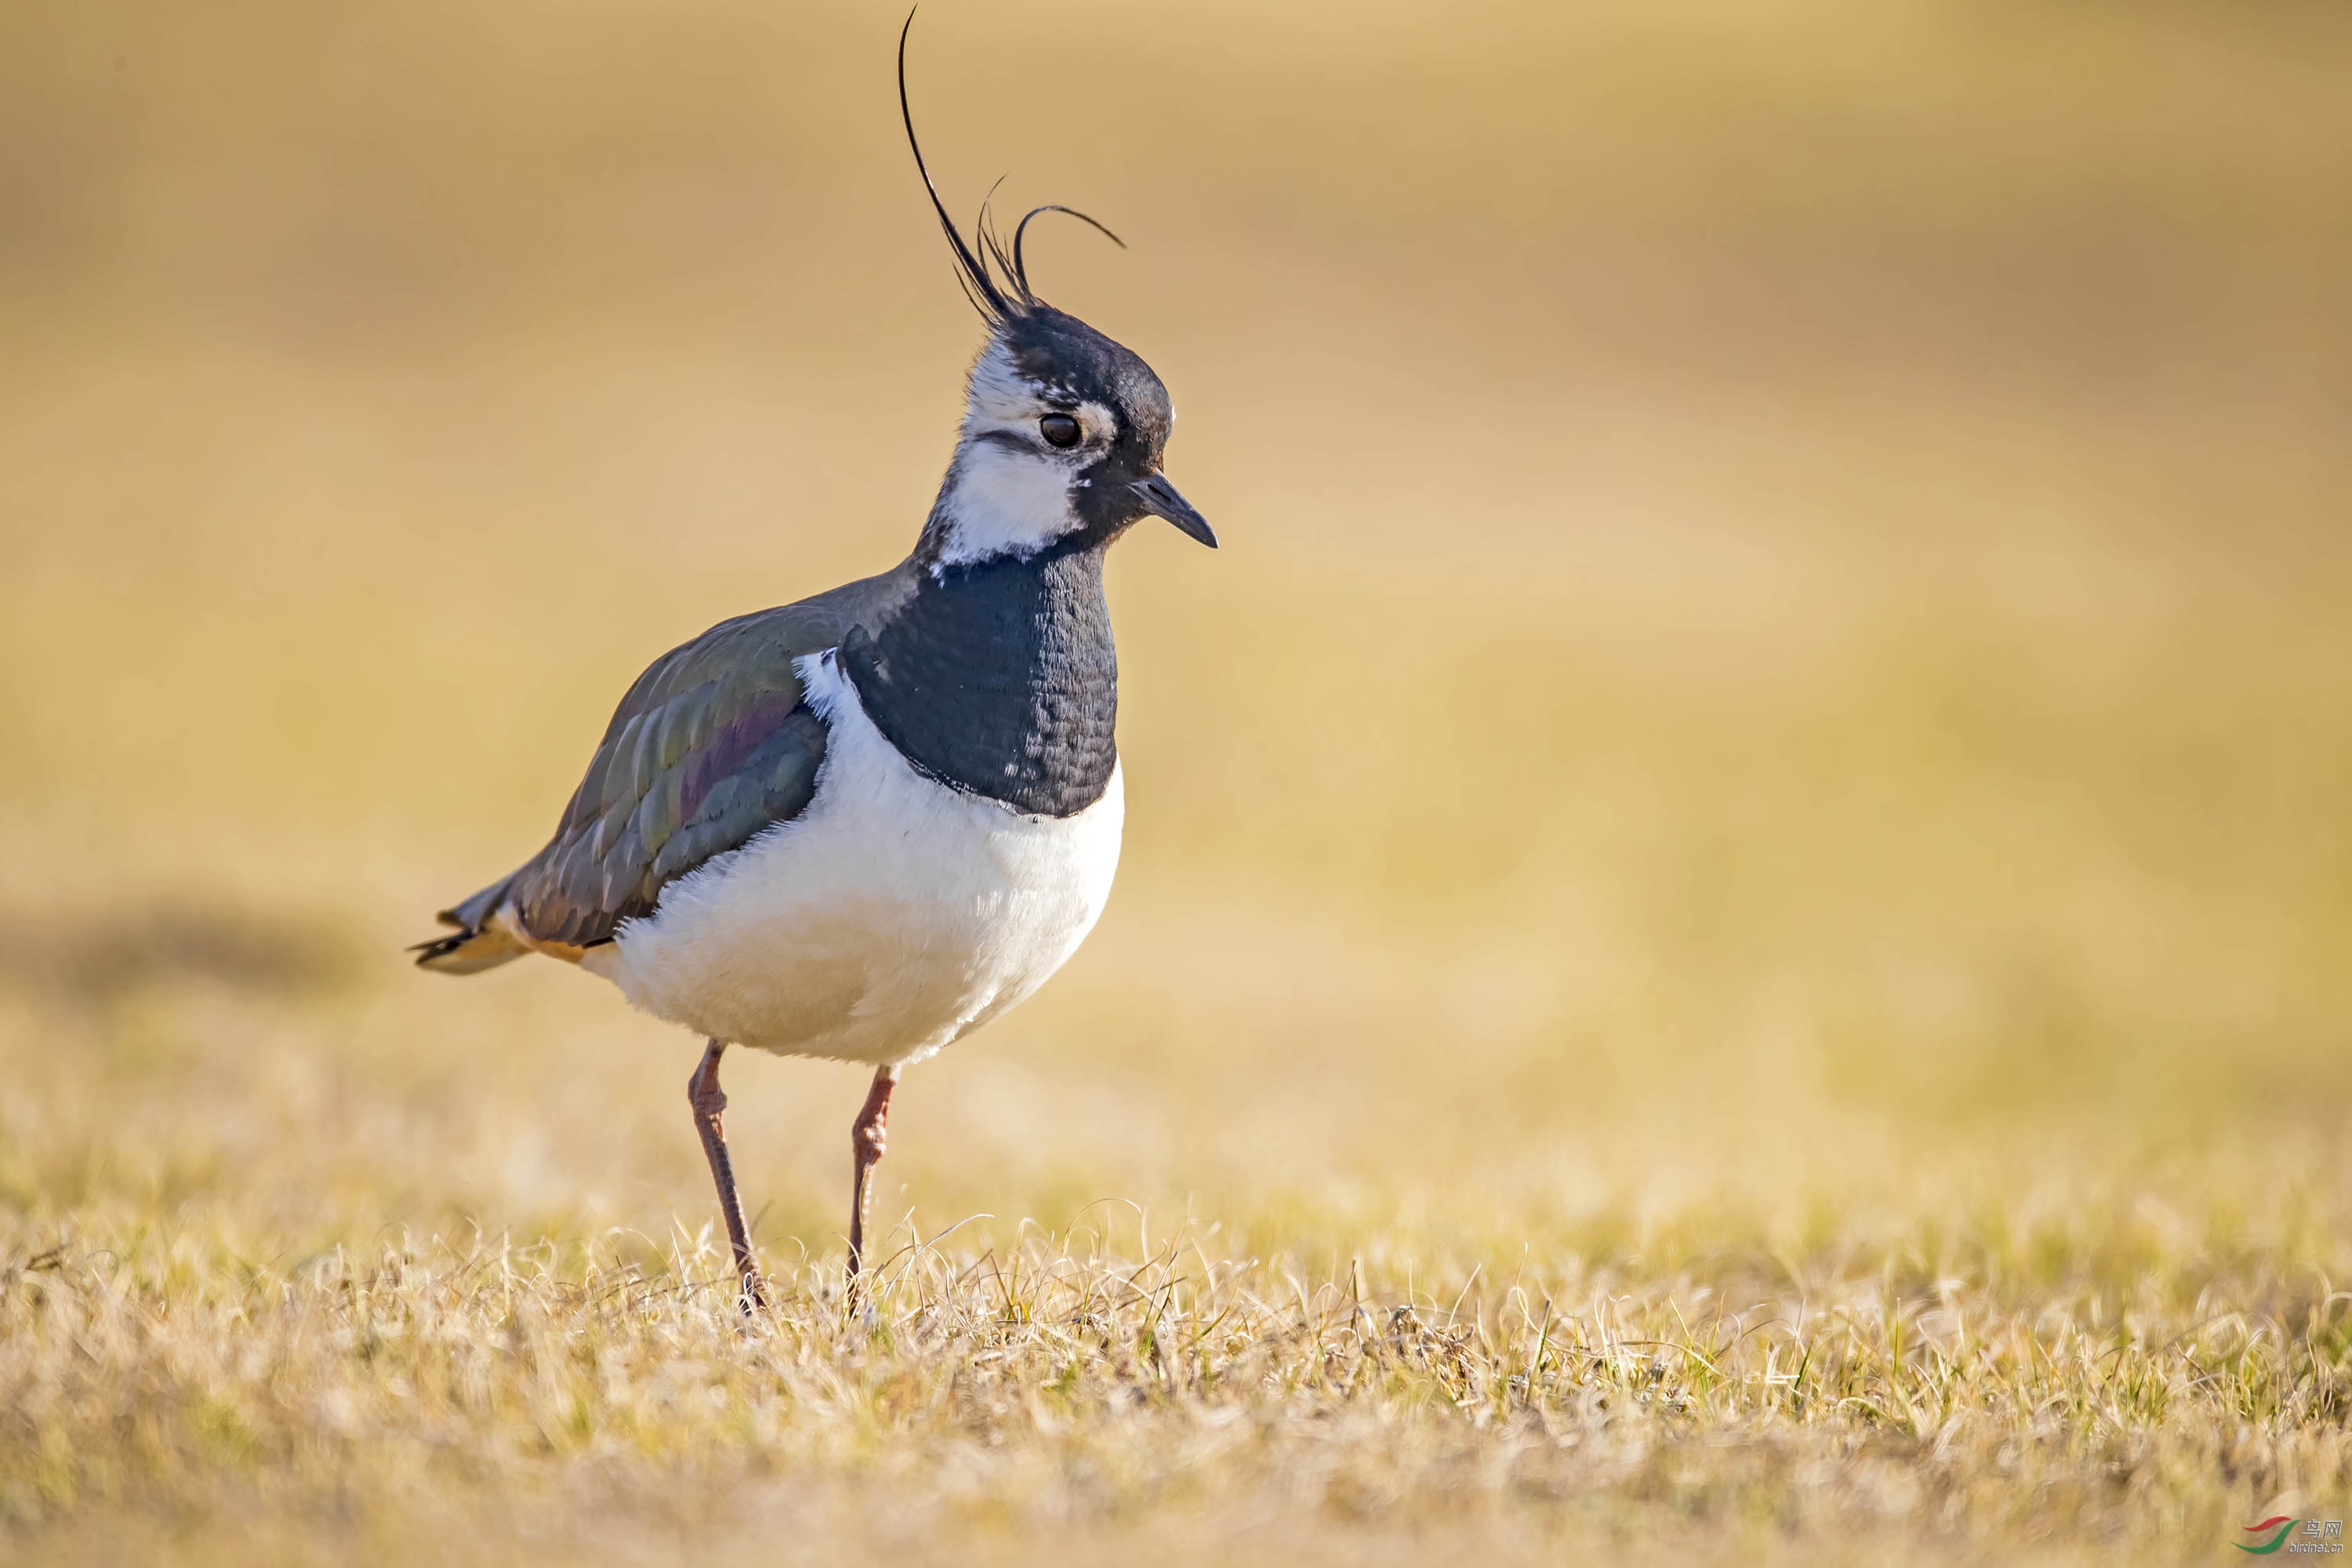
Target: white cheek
[[1001, 503]]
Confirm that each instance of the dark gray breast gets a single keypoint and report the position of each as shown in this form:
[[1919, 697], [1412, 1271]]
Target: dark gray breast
[[1000, 679]]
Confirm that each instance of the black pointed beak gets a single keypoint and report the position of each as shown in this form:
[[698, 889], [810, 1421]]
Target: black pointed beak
[[1158, 498]]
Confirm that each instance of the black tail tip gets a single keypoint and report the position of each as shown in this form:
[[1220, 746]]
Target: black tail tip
[[439, 947]]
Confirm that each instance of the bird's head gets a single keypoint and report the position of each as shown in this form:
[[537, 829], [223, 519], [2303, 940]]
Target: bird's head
[[1064, 429]]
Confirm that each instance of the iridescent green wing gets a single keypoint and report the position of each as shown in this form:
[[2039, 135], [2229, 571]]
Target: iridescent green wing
[[714, 744]]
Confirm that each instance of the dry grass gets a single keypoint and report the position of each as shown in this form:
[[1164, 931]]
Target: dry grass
[[1735, 934], [1996, 1376]]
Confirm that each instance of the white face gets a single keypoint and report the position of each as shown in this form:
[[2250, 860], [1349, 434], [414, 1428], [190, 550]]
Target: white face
[[1008, 491]]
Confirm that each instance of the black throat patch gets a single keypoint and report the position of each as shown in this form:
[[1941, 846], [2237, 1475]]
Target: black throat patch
[[1000, 679]]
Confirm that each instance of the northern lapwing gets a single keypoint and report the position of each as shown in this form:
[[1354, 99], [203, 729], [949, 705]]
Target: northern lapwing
[[862, 825]]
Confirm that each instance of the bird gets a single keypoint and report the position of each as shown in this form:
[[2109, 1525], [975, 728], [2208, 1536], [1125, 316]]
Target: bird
[[861, 825]]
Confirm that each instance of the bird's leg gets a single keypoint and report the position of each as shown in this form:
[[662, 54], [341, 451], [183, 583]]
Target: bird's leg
[[702, 1092], [867, 1139]]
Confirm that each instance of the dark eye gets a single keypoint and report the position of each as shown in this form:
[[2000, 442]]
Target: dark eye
[[1059, 430]]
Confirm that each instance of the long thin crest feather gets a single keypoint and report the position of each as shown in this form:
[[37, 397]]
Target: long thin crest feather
[[980, 260], [1018, 269], [980, 286], [991, 245]]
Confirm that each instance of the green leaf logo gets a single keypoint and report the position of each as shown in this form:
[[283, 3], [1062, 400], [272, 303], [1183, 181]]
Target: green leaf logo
[[2273, 1544]]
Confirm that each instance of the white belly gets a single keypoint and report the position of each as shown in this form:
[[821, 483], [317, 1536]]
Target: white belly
[[890, 917]]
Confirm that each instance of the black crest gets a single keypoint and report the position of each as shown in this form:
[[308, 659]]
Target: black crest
[[994, 277]]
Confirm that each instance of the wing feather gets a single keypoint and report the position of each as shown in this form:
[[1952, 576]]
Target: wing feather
[[713, 744]]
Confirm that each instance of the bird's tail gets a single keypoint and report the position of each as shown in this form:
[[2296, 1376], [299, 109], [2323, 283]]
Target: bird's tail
[[480, 941]]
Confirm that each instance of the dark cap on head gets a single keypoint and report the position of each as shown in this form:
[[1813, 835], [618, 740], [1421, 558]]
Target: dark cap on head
[[1066, 356]]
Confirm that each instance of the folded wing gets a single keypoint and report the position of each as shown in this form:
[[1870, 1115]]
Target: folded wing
[[713, 744]]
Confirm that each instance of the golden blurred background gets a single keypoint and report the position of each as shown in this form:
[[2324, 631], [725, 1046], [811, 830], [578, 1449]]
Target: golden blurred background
[[1786, 608]]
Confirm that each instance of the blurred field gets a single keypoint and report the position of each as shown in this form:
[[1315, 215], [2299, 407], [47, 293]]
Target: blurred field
[[1737, 929]]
